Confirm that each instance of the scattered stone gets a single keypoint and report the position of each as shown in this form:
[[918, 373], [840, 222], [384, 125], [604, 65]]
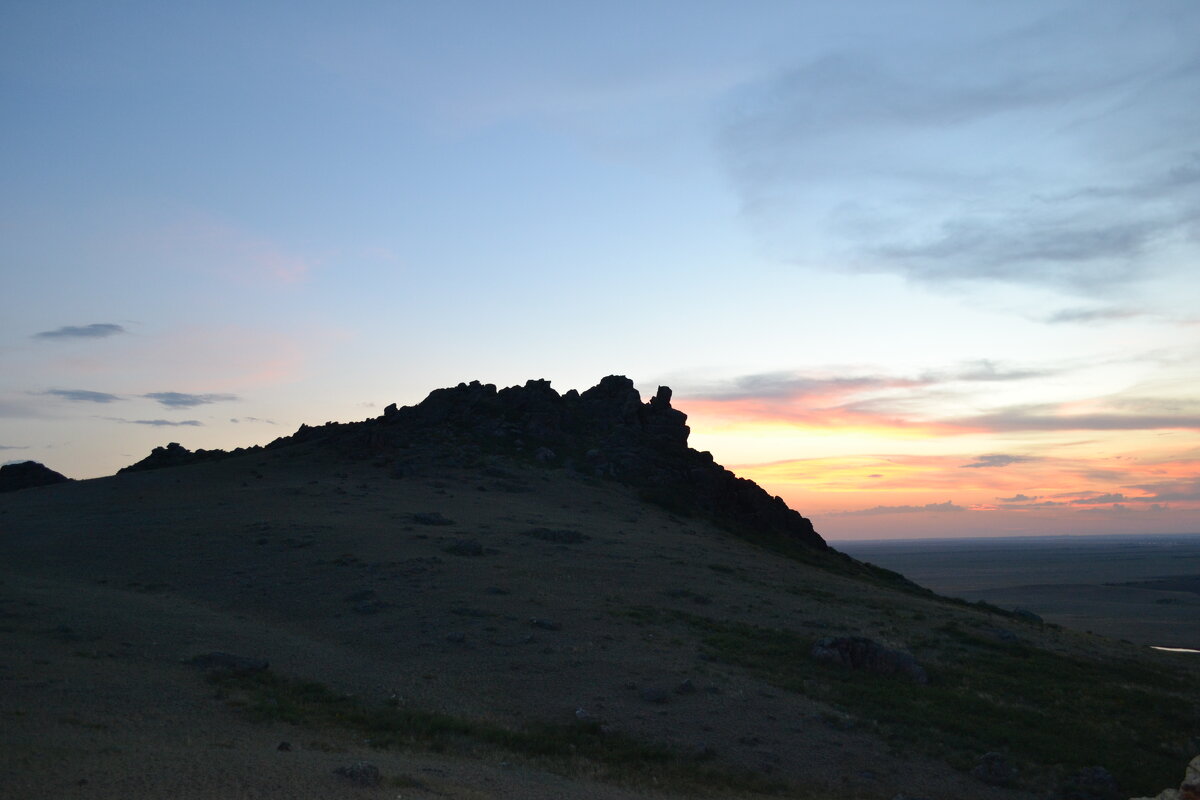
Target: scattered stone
[[582, 715], [456, 637], [545, 624], [860, 653], [687, 687], [28, 474], [544, 455], [284, 747], [464, 547], [228, 662], [364, 773], [431, 518], [654, 694], [994, 770], [903, 796], [496, 590], [1092, 783], [358, 597]]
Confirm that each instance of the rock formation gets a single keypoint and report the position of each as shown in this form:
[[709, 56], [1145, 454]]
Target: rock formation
[[26, 475]]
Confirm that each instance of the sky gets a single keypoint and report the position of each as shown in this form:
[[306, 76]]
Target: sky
[[921, 269]]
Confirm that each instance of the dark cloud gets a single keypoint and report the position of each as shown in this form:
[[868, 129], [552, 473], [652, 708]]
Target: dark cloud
[[163, 422], [1185, 491], [793, 385], [876, 510], [1102, 499], [184, 400], [998, 460], [97, 330], [13, 447], [1029, 419], [83, 395], [1018, 498]]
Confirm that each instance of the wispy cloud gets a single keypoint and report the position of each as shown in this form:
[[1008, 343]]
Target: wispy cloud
[[13, 447], [869, 156], [998, 460], [185, 400], [97, 330], [1086, 315], [878, 510], [1033, 419], [83, 395], [161, 422]]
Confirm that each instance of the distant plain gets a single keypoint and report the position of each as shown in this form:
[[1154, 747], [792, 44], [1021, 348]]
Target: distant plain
[[1145, 589]]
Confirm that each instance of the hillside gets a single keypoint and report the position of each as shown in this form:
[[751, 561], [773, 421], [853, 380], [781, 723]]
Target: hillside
[[516, 593]]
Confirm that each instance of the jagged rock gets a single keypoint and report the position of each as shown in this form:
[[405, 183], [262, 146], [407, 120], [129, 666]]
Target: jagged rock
[[857, 652], [994, 770], [607, 428], [26, 475], [1092, 783], [364, 773], [176, 455]]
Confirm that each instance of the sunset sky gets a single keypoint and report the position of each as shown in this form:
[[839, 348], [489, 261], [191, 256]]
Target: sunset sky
[[920, 268]]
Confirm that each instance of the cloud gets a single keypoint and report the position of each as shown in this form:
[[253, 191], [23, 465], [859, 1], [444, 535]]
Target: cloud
[[13, 447], [879, 154], [83, 396], [1032, 419], [1017, 498], [1102, 499], [1072, 315], [183, 400], [252, 419], [97, 330], [998, 460], [162, 422], [876, 510]]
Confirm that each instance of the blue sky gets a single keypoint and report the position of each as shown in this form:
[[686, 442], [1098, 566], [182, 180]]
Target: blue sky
[[927, 236]]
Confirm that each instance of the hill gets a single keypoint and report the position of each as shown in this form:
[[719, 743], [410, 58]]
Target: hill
[[516, 593]]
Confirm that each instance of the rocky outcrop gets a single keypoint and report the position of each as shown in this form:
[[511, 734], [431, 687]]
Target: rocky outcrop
[[606, 431], [860, 653], [26, 475], [176, 455]]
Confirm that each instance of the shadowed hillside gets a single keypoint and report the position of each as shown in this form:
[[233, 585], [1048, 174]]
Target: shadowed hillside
[[517, 593]]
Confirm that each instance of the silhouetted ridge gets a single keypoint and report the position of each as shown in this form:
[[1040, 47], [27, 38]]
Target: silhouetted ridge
[[606, 432], [26, 475], [176, 455]]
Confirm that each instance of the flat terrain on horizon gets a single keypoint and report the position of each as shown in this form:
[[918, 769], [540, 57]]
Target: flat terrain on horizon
[[1145, 589]]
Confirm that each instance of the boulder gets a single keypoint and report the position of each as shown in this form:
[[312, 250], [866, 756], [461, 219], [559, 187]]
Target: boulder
[[860, 653]]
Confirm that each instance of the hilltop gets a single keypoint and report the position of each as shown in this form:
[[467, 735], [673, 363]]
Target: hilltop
[[521, 593]]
